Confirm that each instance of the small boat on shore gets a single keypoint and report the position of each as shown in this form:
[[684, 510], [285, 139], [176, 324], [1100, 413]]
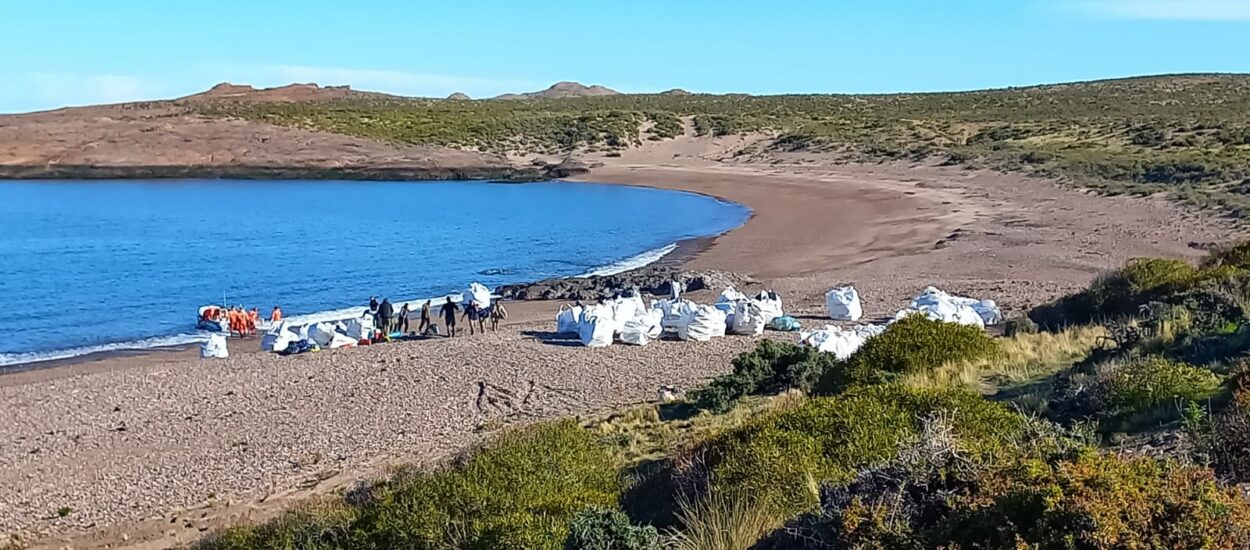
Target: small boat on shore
[[212, 319]]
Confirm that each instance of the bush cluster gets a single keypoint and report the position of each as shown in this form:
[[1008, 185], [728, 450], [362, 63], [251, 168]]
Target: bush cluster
[[1150, 382], [772, 367], [779, 460], [519, 491], [1090, 500], [910, 345], [606, 529]]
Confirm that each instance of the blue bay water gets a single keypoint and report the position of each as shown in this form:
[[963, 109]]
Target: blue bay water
[[86, 266]]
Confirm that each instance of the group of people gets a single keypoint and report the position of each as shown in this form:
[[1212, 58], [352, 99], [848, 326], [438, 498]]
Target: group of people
[[237, 320], [386, 319]]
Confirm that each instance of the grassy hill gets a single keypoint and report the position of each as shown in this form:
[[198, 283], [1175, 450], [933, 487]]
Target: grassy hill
[[1186, 134]]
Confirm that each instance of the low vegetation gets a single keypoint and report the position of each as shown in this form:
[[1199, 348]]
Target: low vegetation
[[1185, 135], [932, 436]]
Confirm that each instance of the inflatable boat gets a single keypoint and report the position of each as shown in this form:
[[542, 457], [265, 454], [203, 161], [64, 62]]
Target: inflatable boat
[[212, 319]]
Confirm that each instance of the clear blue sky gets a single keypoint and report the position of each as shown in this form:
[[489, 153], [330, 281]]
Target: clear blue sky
[[73, 52]]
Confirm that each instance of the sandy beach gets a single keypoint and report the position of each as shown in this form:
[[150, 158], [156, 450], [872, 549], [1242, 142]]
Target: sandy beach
[[155, 450]]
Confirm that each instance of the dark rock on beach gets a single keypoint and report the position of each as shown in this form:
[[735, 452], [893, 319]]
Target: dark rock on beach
[[650, 280]]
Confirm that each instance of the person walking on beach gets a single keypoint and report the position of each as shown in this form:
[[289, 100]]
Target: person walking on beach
[[253, 319], [425, 318], [497, 314], [386, 313], [448, 311], [401, 321]]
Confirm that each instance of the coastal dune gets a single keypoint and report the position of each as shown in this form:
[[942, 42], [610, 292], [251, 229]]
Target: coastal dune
[[152, 452]]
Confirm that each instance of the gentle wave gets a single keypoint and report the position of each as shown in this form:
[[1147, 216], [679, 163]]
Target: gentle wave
[[633, 262], [9, 359]]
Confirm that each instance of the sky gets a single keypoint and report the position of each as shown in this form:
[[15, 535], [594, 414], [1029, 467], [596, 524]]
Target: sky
[[77, 52]]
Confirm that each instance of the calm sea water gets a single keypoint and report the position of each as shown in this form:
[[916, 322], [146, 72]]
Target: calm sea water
[[93, 266]]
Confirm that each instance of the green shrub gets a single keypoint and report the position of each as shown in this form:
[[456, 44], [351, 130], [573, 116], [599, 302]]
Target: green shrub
[[1147, 383], [1118, 293], [318, 525], [911, 345], [772, 367], [780, 459], [1234, 255], [603, 529], [1090, 500], [520, 491]]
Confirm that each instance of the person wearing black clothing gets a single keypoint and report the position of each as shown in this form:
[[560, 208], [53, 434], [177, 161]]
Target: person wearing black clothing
[[425, 317], [448, 311], [386, 313], [401, 322]]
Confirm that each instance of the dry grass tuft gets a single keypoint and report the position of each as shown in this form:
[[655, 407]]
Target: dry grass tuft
[[1024, 357]]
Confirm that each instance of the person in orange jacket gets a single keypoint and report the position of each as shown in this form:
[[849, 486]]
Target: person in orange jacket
[[232, 317], [253, 320]]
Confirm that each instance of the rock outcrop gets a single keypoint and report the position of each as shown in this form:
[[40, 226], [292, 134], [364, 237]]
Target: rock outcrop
[[652, 280]]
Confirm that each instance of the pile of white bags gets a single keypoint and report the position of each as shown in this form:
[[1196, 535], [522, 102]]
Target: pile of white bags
[[214, 347], [476, 294], [567, 319], [842, 343], [749, 318], [940, 306], [706, 323], [842, 304], [626, 308], [642, 329]]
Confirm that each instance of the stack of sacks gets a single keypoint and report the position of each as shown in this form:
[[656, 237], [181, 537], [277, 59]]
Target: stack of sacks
[[627, 308], [706, 323], [842, 304], [842, 343], [321, 334], [360, 329], [340, 341], [940, 306]]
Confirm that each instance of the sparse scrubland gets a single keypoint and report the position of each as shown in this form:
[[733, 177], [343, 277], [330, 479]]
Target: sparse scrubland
[[1186, 135], [931, 436]]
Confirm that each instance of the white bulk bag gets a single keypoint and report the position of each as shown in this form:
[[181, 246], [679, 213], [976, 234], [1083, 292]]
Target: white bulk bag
[[868, 331], [596, 329], [360, 329], [476, 294], [770, 306], [748, 318], [989, 311], [841, 343], [707, 323], [278, 337], [842, 304], [567, 318], [729, 299], [321, 334], [677, 313], [940, 306], [627, 308], [214, 347], [642, 329], [340, 341]]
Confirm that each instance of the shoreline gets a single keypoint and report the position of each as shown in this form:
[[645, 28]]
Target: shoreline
[[685, 250], [260, 432]]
